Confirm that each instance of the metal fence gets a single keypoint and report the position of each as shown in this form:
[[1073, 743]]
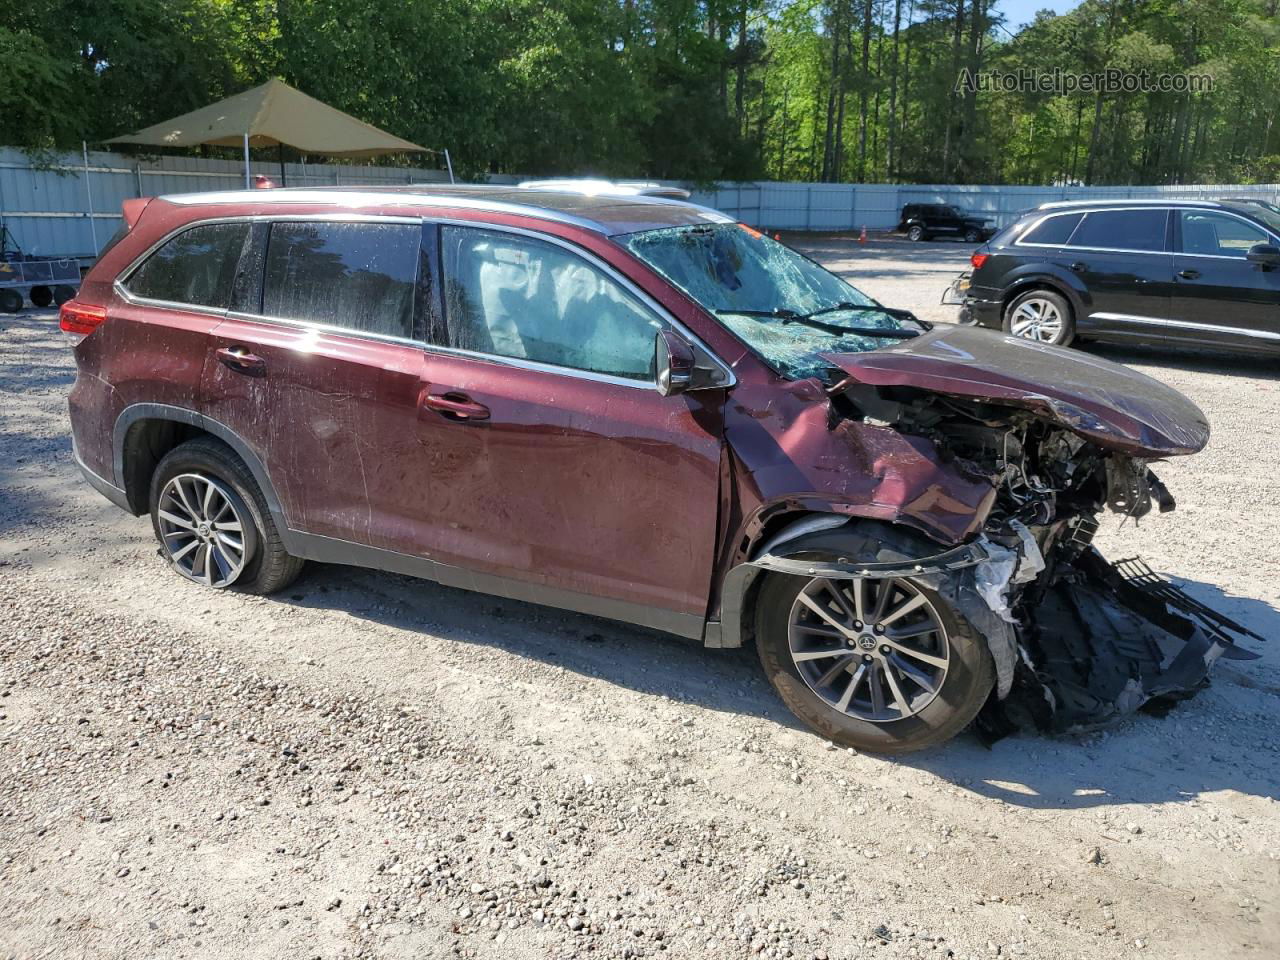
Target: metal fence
[[70, 206], [847, 206]]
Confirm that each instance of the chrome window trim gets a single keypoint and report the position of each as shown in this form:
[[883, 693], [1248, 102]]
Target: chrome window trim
[[663, 314], [1226, 213], [1186, 324], [518, 362], [1084, 213]]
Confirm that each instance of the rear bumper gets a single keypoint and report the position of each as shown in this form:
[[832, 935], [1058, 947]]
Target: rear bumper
[[981, 313], [103, 486]]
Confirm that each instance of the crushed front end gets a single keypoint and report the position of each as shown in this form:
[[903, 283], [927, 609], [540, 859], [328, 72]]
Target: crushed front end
[[1077, 640]]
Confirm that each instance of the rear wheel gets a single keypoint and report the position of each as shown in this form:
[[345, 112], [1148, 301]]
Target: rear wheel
[[213, 523], [10, 300], [41, 296], [972, 236], [915, 233], [881, 665], [1040, 315]]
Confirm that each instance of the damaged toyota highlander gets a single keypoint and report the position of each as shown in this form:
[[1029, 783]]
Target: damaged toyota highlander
[[637, 408]]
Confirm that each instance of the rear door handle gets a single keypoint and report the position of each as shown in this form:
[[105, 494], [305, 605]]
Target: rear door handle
[[455, 406], [1079, 267], [1189, 274], [241, 360]]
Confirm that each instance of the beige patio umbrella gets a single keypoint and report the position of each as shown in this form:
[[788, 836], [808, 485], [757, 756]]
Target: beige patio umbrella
[[275, 114]]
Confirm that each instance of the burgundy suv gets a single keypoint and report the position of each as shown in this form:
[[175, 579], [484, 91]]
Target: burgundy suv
[[637, 408]]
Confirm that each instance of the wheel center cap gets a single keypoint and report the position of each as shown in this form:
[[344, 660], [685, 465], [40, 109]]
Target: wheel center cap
[[867, 642], [203, 530]]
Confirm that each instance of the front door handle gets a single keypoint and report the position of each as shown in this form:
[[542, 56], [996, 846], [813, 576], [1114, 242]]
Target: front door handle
[[241, 360], [1079, 266], [1189, 274], [456, 406]]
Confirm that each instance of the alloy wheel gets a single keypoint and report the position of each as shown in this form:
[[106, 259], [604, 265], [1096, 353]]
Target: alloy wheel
[[202, 530], [1037, 319], [874, 650]]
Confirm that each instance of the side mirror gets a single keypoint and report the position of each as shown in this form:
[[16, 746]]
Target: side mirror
[[673, 360], [1264, 254]]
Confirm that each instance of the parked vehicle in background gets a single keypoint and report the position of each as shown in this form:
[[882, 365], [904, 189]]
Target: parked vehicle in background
[[639, 409], [925, 221], [42, 280], [1203, 273]]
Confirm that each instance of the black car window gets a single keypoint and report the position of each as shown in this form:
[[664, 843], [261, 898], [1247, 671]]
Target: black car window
[[514, 296], [196, 267], [1122, 230], [359, 276], [1054, 230], [1218, 235]]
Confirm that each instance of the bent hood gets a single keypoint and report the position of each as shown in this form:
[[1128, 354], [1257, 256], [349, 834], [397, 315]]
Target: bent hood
[[1115, 407]]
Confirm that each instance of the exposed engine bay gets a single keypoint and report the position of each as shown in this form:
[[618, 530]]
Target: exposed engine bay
[[1077, 640]]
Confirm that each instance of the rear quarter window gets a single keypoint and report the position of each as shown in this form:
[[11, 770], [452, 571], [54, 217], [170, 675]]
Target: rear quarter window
[[357, 276], [1055, 230], [197, 267]]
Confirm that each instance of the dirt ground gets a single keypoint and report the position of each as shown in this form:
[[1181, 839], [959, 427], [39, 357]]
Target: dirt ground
[[368, 765]]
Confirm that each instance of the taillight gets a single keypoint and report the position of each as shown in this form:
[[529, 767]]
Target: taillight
[[978, 259], [81, 318]]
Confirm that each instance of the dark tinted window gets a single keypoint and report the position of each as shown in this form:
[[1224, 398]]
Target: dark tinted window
[[359, 276], [513, 296], [1122, 230], [1055, 230], [198, 266]]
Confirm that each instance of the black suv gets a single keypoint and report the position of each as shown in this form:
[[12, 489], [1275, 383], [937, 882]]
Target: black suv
[[924, 221], [1195, 272]]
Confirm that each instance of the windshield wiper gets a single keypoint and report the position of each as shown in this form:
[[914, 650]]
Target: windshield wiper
[[790, 316]]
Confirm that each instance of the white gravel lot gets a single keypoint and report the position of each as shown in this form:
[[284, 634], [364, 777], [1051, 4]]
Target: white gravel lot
[[368, 765]]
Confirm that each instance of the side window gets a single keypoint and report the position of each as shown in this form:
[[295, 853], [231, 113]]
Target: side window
[[359, 276], [1122, 230], [1053, 230], [198, 267], [514, 296], [1218, 235]]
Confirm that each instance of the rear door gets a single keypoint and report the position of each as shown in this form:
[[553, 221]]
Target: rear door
[[1220, 297], [319, 371], [554, 460], [1124, 261]]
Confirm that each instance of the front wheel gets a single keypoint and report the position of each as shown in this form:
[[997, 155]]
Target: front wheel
[[915, 234], [972, 236], [881, 665]]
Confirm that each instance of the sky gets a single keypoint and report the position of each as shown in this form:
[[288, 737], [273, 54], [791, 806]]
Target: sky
[[1020, 12]]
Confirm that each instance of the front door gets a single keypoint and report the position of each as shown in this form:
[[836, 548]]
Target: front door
[[554, 460], [1220, 297]]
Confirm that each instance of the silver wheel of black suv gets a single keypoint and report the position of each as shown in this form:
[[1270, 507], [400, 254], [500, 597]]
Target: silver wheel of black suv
[[884, 665], [213, 523]]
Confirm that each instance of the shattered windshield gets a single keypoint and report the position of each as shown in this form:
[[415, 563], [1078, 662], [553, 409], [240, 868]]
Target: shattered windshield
[[767, 294]]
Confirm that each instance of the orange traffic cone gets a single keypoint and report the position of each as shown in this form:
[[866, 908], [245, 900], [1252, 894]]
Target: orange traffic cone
[[862, 237]]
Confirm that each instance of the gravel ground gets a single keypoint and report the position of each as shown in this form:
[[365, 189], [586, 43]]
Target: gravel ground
[[369, 765]]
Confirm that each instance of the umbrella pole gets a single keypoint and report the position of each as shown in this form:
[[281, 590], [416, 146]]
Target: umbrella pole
[[448, 163], [247, 185], [88, 192], [280, 155]]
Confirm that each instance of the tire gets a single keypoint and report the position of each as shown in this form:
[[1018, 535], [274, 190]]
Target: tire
[[62, 293], [1057, 324], [265, 565], [40, 296], [916, 233], [964, 688], [972, 236], [10, 300]]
